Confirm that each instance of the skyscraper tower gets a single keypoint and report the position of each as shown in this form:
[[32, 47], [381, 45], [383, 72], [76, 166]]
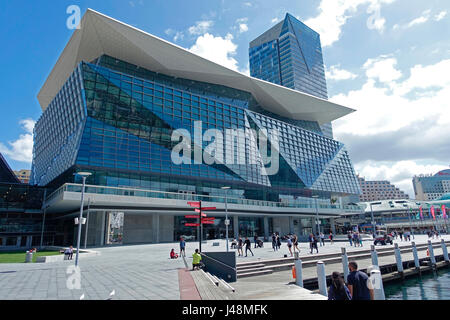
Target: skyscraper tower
[[290, 54]]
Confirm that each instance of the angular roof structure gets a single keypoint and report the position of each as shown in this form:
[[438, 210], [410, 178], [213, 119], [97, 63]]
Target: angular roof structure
[[6, 174], [100, 34]]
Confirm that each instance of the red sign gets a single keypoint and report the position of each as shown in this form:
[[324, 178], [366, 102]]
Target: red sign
[[207, 222], [194, 204], [192, 224], [191, 217], [210, 218], [209, 209], [198, 211]]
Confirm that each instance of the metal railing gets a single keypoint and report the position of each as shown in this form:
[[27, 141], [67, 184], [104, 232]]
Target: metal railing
[[130, 192]]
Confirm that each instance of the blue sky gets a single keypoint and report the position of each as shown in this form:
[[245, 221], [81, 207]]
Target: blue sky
[[388, 59]]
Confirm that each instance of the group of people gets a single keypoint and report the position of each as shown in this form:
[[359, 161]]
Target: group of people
[[239, 244], [358, 286], [403, 235], [355, 238]]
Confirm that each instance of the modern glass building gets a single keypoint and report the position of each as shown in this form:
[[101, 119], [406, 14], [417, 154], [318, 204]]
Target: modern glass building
[[290, 54], [111, 106], [432, 187]]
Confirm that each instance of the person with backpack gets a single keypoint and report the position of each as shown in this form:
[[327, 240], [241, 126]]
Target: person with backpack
[[338, 290]]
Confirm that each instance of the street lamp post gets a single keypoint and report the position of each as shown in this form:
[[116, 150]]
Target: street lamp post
[[317, 215], [226, 214], [87, 223], [410, 222], [83, 175], [43, 221]]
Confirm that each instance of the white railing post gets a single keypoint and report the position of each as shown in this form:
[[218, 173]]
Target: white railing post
[[322, 278], [416, 255], [431, 252], [398, 258], [298, 271], [345, 263], [374, 255], [377, 284], [444, 250]]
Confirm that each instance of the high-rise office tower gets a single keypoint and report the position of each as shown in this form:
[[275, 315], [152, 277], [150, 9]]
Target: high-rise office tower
[[290, 54]]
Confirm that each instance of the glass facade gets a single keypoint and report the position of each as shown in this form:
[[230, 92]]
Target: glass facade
[[290, 55], [116, 120]]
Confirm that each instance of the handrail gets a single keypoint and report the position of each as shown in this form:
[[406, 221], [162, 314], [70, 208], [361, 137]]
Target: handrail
[[234, 269], [207, 198]]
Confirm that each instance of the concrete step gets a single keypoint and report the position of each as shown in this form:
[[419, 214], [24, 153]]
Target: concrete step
[[254, 273], [253, 266]]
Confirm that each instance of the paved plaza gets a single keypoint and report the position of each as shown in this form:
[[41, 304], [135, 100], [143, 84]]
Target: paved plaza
[[141, 272]]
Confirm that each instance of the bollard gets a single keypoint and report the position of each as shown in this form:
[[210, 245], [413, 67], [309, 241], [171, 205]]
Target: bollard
[[374, 255], [298, 273], [444, 250], [29, 257], [430, 249], [377, 284], [345, 263], [416, 256], [322, 278], [398, 258]]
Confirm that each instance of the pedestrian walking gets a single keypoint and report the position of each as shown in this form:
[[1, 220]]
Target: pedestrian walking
[[255, 238], [401, 235], [248, 246], [182, 247], [358, 283], [338, 290], [296, 243], [274, 242], [315, 240], [349, 236], [289, 244], [360, 239], [240, 244], [278, 241], [322, 239], [355, 239], [331, 237]]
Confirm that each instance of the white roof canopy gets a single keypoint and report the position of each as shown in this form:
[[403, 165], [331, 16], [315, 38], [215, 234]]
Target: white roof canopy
[[100, 34]]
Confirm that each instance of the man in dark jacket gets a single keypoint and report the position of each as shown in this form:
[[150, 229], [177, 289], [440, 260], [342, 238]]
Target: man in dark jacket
[[358, 283]]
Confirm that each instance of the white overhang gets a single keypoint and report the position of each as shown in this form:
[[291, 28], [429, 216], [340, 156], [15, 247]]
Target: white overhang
[[100, 34]]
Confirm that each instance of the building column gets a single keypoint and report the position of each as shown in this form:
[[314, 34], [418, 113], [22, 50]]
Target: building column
[[103, 227], [236, 226], [291, 225], [314, 225], [19, 240], [333, 225], [266, 227], [155, 228], [29, 241]]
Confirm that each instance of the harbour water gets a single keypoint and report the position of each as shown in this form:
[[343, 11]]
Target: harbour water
[[429, 286]]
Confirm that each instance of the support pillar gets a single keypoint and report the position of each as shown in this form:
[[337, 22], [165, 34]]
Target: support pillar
[[155, 227], [333, 225], [103, 230], [266, 227], [236, 226]]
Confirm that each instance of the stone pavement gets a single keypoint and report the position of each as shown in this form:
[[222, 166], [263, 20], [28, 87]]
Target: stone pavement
[[141, 272]]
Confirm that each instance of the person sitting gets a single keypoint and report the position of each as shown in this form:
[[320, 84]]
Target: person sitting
[[173, 254], [196, 260]]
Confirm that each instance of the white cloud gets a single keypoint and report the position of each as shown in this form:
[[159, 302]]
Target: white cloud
[[422, 19], [336, 73], [441, 15], [22, 148], [382, 69], [401, 124], [177, 35], [247, 4], [201, 27], [242, 24], [217, 49], [333, 15], [275, 20]]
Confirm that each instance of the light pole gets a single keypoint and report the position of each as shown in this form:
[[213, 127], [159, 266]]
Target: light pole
[[227, 222], [43, 220], [83, 175], [317, 215]]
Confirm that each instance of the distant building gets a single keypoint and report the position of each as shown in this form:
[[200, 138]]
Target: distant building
[[431, 187], [6, 174], [23, 175], [379, 190]]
